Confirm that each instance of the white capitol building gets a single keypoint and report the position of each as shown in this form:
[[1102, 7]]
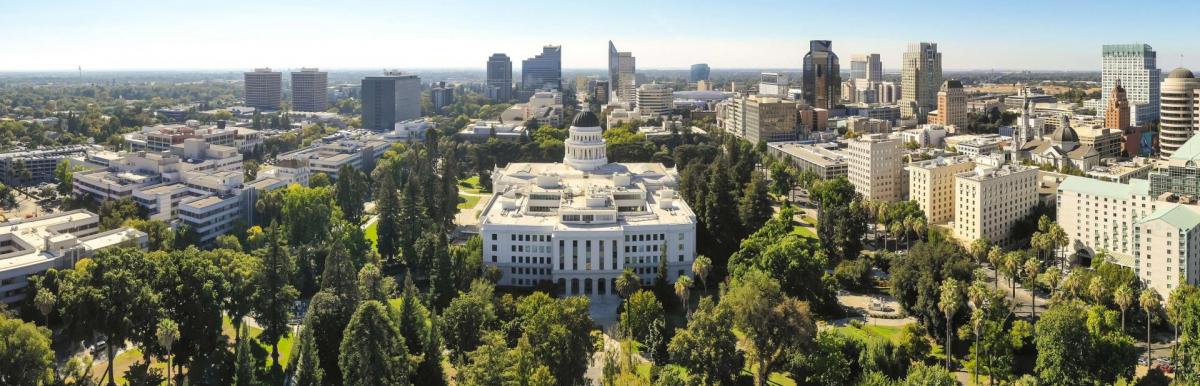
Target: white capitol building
[[581, 222]]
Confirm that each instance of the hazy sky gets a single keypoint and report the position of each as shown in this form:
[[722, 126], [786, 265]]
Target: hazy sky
[[406, 34]]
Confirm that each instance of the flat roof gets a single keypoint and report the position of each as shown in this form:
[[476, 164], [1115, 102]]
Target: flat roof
[[1095, 187]]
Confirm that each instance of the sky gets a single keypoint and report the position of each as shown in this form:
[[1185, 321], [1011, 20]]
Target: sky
[[57, 35]]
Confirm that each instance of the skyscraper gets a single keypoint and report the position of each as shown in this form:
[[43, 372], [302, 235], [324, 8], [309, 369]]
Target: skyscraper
[[390, 98], [309, 90], [622, 72], [264, 89], [867, 67], [1180, 94], [699, 72], [542, 71], [920, 79], [1136, 65], [499, 77], [822, 75]]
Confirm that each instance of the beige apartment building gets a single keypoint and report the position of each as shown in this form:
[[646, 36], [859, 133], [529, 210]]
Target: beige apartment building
[[990, 200], [875, 167], [931, 185], [1168, 247], [1100, 215]]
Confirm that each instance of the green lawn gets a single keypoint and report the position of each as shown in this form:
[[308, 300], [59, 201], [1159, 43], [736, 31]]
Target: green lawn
[[467, 202], [891, 333], [809, 220], [470, 185], [372, 232], [804, 231], [133, 356]]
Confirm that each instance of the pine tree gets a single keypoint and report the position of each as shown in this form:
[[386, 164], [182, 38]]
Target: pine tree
[[430, 372], [441, 274], [373, 352], [244, 365], [307, 364], [388, 205], [274, 293]]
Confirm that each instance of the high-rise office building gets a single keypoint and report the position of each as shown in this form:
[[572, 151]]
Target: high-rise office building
[[1178, 118], [951, 106], [699, 72], [622, 72], [1136, 66], [390, 98], [655, 99], [264, 89], [600, 94], [822, 76], [920, 80], [866, 67], [309, 90], [499, 77], [542, 71], [876, 163], [440, 96]]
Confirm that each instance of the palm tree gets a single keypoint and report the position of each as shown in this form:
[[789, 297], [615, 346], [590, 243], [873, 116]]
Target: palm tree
[[1073, 284], [1096, 290], [683, 288], [1058, 239], [920, 227], [977, 317], [979, 250], [627, 283], [896, 229], [1012, 267], [1174, 313], [881, 209], [995, 256], [44, 301], [1149, 301], [1123, 296], [702, 267], [1032, 268], [951, 300], [167, 334]]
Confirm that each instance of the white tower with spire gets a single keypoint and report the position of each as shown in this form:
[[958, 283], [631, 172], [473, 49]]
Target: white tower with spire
[[585, 146]]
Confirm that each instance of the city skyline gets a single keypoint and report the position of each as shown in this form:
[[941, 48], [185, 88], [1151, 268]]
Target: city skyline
[[145, 35]]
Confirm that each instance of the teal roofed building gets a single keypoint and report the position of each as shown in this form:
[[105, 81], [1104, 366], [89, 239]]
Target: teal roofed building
[[1179, 178], [1167, 251]]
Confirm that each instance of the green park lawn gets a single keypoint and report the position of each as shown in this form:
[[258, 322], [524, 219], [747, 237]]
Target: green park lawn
[[467, 202], [804, 231], [372, 232], [133, 356], [891, 333], [470, 185]]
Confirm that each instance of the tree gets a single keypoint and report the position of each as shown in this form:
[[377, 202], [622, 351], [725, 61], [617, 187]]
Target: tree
[[44, 301], [488, 362], [306, 365], [1081, 346], [772, 323], [467, 318], [921, 375], [918, 275], [373, 352], [274, 293], [167, 334], [25, 354], [64, 173], [319, 180], [308, 213], [683, 288], [114, 213], [628, 283], [702, 266], [995, 257], [559, 334], [642, 310], [951, 300], [1150, 301], [754, 206], [707, 347], [351, 193], [244, 365], [388, 225], [1033, 268], [1123, 296]]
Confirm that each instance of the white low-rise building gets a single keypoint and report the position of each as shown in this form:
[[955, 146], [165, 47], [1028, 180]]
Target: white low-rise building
[[32, 246], [580, 223], [163, 137]]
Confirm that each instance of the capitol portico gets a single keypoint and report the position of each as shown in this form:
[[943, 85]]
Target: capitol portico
[[580, 223]]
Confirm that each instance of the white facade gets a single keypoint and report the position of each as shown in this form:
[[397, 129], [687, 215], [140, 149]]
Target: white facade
[[1167, 251], [580, 223], [655, 99], [875, 167], [32, 246], [1099, 215], [990, 200], [1180, 110], [1136, 66]]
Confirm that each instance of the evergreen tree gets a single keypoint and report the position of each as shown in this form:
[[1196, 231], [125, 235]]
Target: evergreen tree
[[372, 352], [274, 293], [754, 207], [429, 371], [351, 193], [387, 229], [244, 366], [306, 364]]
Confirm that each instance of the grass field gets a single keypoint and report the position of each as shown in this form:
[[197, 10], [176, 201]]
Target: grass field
[[372, 232], [891, 333], [470, 185], [133, 356], [467, 202], [804, 231]]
